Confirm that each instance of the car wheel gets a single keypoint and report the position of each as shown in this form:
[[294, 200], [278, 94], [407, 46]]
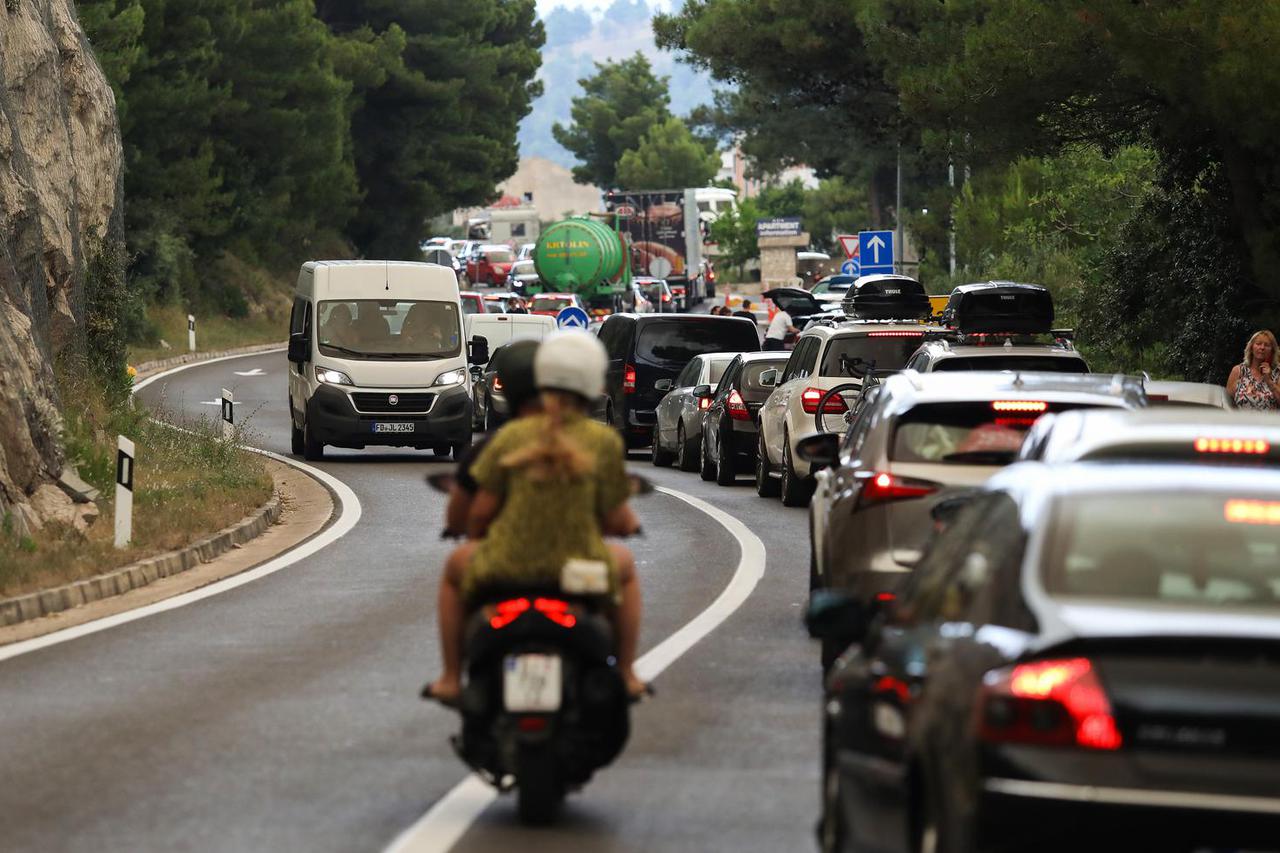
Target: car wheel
[[706, 469], [490, 419], [660, 458], [726, 475], [831, 828], [814, 582], [766, 486], [312, 448], [795, 491], [686, 458]]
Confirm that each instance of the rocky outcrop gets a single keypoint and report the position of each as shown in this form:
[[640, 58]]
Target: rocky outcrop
[[60, 195]]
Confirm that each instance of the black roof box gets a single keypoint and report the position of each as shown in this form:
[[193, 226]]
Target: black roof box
[[886, 297], [995, 307]]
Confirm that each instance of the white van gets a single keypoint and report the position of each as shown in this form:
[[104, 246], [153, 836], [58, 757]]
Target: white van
[[377, 357], [499, 329]]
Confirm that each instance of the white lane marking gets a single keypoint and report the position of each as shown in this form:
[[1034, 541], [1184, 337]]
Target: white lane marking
[[349, 508], [257, 371], [450, 818], [165, 374]]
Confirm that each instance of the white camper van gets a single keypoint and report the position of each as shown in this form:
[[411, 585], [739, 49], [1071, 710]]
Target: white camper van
[[377, 357]]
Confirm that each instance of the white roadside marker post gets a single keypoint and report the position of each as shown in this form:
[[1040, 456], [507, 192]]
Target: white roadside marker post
[[124, 491], [191, 332], [228, 415]]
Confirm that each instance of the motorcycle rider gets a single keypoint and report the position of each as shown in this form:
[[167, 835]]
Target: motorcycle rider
[[552, 485]]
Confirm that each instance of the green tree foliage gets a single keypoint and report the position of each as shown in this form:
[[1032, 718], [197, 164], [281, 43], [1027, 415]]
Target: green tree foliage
[[668, 156], [619, 104], [834, 207]]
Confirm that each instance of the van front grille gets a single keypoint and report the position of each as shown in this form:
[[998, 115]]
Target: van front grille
[[405, 404]]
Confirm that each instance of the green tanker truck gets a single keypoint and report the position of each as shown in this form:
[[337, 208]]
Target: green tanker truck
[[584, 256]]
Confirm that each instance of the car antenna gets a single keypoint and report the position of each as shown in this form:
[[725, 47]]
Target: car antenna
[[386, 274], [1017, 379]]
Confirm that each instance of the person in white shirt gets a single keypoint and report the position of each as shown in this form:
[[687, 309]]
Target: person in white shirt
[[779, 327]]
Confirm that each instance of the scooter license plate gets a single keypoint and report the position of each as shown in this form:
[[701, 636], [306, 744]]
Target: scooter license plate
[[531, 683]]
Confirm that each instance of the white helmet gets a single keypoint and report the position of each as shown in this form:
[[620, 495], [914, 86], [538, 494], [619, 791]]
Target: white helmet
[[571, 361]]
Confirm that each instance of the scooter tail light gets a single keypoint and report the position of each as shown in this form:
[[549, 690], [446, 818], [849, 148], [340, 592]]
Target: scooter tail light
[[556, 610], [506, 612], [1057, 702]]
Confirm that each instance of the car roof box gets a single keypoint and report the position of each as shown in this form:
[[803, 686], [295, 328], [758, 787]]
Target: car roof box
[[887, 297], [996, 307]]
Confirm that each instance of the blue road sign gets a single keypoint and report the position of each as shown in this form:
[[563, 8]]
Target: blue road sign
[[851, 267], [875, 251], [572, 317]]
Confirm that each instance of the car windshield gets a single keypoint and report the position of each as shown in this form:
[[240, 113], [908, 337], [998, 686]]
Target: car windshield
[[1194, 548], [1038, 363], [551, 303], [498, 257], [675, 343], [389, 328], [967, 433], [851, 355]]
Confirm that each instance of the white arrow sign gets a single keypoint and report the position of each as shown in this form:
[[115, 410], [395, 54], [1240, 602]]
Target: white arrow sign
[[257, 371], [876, 244]]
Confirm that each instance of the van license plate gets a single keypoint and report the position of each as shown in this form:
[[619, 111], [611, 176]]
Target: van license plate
[[531, 683], [385, 427]]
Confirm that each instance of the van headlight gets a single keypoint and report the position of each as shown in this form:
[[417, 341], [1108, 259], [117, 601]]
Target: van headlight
[[329, 376], [451, 377]]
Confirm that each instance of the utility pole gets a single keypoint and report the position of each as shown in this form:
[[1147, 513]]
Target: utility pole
[[951, 216], [901, 247]]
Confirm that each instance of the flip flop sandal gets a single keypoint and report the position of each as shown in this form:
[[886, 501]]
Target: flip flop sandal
[[430, 696]]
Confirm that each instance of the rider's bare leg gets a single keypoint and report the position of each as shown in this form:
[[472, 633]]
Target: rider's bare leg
[[449, 611], [627, 616]]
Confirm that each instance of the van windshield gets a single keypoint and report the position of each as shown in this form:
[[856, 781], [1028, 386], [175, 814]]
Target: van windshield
[[389, 328]]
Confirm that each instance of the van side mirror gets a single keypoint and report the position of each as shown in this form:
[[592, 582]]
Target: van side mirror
[[299, 347], [479, 350], [836, 616], [769, 379], [820, 450]]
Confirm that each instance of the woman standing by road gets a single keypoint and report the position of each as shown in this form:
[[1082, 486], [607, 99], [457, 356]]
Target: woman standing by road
[[1255, 384]]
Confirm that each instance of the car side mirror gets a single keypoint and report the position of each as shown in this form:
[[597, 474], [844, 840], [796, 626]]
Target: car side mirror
[[662, 385], [769, 379], [702, 391], [479, 350], [836, 616], [944, 512], [820, 450], [299, 347]]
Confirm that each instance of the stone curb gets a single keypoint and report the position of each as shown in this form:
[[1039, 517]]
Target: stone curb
[[46, 602], [149, 368]]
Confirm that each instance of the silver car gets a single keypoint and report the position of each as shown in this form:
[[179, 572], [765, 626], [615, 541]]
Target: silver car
[[677, 435]]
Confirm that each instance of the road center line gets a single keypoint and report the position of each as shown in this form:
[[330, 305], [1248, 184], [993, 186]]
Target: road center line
[[448, 820], [347, 504]]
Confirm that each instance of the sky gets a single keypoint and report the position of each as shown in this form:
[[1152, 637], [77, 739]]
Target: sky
[[545, 6]]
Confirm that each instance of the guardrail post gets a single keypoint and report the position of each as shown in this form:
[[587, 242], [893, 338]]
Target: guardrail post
[[228, 415], [124, 491], [191, 332]]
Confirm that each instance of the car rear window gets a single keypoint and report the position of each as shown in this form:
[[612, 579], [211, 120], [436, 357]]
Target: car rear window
[[1038, 363], [752, 370], [1195, 548], [675, 343], [968, 433], [852, 354]]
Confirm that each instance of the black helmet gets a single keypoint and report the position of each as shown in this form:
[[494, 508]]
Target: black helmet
[[515, 372]]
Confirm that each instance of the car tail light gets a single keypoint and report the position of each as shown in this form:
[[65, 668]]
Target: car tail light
[[1232, 445], [1020, 406], [812, 396], [1050, 702], [737, 408], [506, 612], [883, 487], [555, 610], [629, 379], [497, 384], [666, 297]]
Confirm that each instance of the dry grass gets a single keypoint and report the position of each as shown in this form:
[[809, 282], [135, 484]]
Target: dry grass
[[213, 332], [187, 485]]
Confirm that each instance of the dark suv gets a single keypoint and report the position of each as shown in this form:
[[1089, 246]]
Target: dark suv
[[646, 348]]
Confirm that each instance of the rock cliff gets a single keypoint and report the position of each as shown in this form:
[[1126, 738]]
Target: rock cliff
[[60, 195]]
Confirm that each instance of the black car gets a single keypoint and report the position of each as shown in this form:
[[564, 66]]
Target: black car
[[1086, 658], [644, 348], [729, 429]]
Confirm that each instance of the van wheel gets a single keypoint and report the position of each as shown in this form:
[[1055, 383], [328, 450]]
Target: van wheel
[[296, 443], [686, 453], [766, 486], [312, 449], [459, 450]]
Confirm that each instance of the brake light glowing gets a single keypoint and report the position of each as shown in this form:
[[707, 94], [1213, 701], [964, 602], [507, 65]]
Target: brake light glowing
[[704, 403], [497, 384], [738, 410], [1020, 406], [666, 297], [884, 487], [1052, 702], [812, 396], [506, 612], [895, 334], [1251, 512], [1232, 445], [555, 610], [1014, 422], [629, 379]]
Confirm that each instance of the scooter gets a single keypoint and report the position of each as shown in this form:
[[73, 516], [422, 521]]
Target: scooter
[[543, 705]]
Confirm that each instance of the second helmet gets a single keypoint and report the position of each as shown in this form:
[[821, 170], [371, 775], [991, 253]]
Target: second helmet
[[571, 361]]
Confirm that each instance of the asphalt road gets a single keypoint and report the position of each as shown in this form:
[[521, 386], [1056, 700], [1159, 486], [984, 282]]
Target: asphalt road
[[282, 715]]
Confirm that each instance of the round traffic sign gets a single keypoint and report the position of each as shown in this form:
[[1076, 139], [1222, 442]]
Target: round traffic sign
[[851, 267], [572, 317]]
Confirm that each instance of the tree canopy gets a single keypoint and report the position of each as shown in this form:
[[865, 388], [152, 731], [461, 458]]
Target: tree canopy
[[668, 155]]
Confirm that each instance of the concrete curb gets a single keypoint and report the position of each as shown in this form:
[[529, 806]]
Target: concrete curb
[[46, 602], [150, 368]]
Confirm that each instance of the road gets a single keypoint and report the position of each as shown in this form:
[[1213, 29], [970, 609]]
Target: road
[[282, 715]]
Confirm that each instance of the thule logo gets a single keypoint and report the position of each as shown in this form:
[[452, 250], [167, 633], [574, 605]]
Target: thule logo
[[1181, 735]]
